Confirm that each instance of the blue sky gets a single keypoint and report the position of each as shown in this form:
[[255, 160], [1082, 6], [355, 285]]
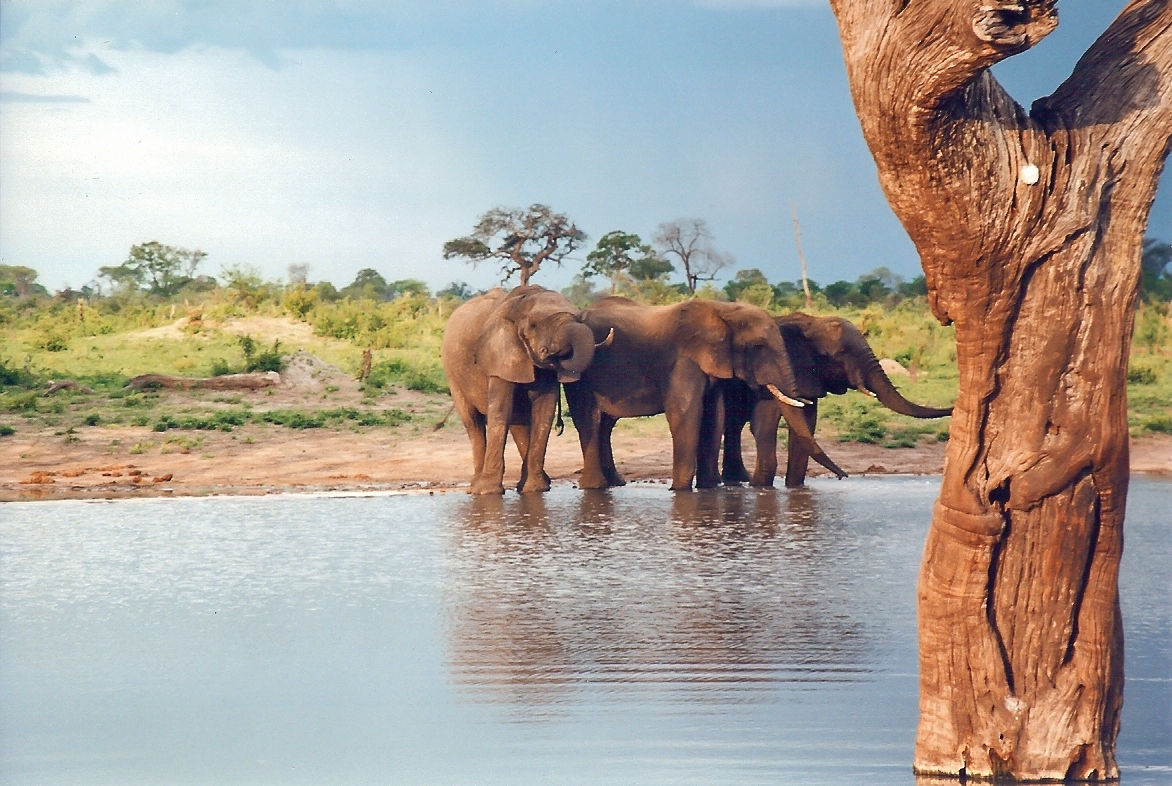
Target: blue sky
[[356, 134]]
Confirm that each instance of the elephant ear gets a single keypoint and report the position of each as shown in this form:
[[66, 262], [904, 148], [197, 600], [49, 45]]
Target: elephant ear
[[809, 365], [706, 339], [500, 353]]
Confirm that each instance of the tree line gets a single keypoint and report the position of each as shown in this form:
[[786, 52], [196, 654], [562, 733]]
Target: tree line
[[520, 241]]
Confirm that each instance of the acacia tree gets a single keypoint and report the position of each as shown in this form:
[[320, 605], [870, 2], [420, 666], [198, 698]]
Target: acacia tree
[[690, 241], [1029, 228], [162, 269], [521, 239]]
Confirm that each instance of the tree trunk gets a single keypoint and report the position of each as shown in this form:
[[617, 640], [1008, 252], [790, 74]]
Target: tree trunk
[[1029, 228]]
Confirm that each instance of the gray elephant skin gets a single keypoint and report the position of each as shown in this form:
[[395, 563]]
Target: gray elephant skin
[[828, 355], [675, 360], [504, 354]]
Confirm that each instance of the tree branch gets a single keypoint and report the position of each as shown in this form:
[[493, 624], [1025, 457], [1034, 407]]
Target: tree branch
[[1123, 81]]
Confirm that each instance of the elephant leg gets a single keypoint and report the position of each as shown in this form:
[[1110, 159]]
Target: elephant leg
[[587, 417], [766, 418], [605, 428], [737, 411], [541, 409], [711, 430], [798, 461], [684, 410], [500, 411], [520, 434], [733, 463], [473, 421]]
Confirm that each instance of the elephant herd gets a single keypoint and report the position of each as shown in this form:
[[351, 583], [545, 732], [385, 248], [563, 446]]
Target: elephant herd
[[709, 366]]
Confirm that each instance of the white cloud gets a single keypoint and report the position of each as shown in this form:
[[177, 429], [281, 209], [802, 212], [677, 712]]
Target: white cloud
[[333, 160]]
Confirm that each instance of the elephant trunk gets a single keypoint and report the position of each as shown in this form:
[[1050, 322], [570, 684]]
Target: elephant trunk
[[581, 340], [878, 383]]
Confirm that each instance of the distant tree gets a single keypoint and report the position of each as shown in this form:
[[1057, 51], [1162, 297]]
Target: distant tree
[[297, 274], [917, 287], [520, 239], [457, 290], [618, 254], [690, 241], [408, 286], [162, 269], [581, 291], [653, 268], [743, 280], [326, 291], [247, 284], [367, 285], [841, 293], [1156, 283], [19, 281]]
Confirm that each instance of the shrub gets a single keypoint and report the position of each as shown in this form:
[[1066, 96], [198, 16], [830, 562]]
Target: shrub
[[19, 402], [92, 419], [6, 431], [10, 376], [1158, 424], [1141, 375], [424, 378], [265, 360]]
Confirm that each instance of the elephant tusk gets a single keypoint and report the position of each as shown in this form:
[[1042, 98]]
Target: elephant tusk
[[783, 398], [863, 389], [606, 342]]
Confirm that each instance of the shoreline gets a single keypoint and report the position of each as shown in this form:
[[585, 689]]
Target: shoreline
[[125, 462]]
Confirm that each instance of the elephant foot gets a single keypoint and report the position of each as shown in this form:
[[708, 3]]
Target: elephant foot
[[762, 482], [681, 486], [734, 478], [486, 487], [707, 483], [592, 480], [534, 485], [615, 480]]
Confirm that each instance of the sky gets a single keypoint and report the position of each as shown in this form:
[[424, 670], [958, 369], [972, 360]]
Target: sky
[[352, 134]]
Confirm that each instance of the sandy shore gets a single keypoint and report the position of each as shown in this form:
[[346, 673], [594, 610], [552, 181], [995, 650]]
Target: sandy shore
[[117, 462]]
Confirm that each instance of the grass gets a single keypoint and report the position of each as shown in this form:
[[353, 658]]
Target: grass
[[101, 345]]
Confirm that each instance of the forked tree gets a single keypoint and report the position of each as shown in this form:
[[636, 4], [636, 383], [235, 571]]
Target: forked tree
[[519, 239], [1029, 227]]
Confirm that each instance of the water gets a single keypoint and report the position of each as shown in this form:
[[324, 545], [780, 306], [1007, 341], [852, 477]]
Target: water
[[632, 636]]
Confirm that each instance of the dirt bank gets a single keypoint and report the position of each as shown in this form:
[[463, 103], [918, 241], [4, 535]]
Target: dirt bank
[[110, 462]]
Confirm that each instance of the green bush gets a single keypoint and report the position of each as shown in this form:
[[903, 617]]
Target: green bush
[[6, 431], [264, 360], [1141, 375], [92, 419], [16, 377], [19, 402], [1158, 424], [424, 378]]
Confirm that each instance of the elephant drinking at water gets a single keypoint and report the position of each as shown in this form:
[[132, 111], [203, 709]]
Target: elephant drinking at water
[[828, 355], [675, 360], [504, 354]]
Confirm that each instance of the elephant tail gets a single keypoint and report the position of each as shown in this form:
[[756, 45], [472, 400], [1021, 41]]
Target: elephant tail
[[440, 423], [880, 385]]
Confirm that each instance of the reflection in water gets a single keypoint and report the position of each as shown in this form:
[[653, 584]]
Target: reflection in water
[[718, 592], [613, 637]]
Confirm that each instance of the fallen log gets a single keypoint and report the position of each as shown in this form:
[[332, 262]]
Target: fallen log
[[254, 381], [66, 384]]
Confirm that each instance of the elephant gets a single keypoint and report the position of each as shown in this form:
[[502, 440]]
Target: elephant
[[828, 355], [674, 360], [504, 354]]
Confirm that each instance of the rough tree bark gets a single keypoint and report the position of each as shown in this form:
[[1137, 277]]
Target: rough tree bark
[[1029, 227]]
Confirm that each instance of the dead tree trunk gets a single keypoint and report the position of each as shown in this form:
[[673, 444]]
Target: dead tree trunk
[[1029, 227]]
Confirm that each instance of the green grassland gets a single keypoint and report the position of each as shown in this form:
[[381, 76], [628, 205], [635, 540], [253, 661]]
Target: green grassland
[[102, 342]]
